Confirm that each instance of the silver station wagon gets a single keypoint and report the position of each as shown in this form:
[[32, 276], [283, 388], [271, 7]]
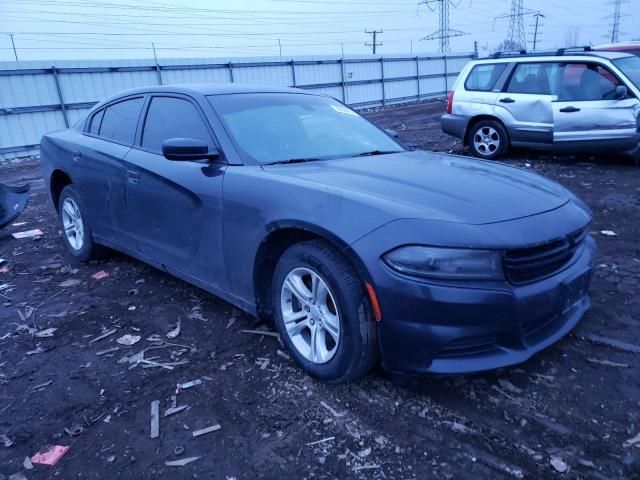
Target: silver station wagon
[[570, 100]]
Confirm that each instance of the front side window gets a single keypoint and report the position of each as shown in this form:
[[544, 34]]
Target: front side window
[[277, 127], [534, 78], [630, 66], [96, 119], [483, 77], [586, 82], [120, 121], [170, 117]]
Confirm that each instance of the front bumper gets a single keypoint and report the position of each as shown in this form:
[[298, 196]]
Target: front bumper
[[448, 329]]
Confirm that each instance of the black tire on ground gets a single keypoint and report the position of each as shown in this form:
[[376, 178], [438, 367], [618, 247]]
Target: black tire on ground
[[89, 250], [357, 349], [498, 138]]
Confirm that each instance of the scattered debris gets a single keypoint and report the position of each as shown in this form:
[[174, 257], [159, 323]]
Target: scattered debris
[[5, 440], [558, 464], [172, 410], [332, 410], [328, 439], [104, 335], [192, 383], [128, 339], [74, 430], [27, 463], [38, 349], [182, 462], [155, 419], [633, 441], [51, 456], [267, 333], [108, 350], [100, 275], [232, 320], [72, 282], [175, 332], [179, 450], [610, 342], [42, 385], [204, 431], [607, 363], [510, 387], [282, 354], [131, 308], [608, 233], [27, 234], [45, 333]]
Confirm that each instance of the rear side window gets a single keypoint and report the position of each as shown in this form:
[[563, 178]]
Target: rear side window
[[534, 78], [484, 77], [120, 120], [172, 118], [94, 126]]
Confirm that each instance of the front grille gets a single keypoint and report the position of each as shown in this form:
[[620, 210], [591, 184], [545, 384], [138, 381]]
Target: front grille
[[526, 265]]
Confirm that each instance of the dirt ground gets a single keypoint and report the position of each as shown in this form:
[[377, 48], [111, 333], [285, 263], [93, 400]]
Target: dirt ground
[[573, 411]]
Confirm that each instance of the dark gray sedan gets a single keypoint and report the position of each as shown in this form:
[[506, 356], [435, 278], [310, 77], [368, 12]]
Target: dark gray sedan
[[291, 205]]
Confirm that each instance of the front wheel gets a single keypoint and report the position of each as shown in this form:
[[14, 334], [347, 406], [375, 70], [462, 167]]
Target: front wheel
[[323, 314], [488, 139]]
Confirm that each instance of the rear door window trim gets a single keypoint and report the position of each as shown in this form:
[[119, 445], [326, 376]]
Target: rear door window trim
[[104, 107]]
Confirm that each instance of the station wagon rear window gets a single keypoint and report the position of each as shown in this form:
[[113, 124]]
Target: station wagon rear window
[[483, 77]]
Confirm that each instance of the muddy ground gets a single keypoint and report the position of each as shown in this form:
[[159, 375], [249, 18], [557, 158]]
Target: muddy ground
[[573, 411]]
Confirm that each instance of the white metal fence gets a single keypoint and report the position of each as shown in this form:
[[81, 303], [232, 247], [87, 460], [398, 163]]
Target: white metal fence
[[36, 97]]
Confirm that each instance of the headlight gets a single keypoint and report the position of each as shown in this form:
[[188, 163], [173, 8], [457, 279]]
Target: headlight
[[446, 263]]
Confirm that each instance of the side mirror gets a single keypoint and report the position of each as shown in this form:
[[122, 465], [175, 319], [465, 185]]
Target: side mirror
[[621, 92], [393, 133], [187, 149]]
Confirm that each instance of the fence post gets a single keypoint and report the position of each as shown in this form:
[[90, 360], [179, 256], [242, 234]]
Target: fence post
[[293, 73], [384, 96], [446, 76], [344, 89], [60, 97], [230, 71], [418, 77]]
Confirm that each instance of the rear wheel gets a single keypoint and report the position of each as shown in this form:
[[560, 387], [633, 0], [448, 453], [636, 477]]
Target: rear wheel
[[76, 232], [322, 313], [488, 139]]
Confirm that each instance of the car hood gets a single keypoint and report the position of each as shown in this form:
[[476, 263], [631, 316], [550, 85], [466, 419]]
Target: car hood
[[432, 186]]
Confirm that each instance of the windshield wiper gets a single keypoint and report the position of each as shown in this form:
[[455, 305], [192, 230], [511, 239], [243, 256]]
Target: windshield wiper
[[293, 160], [375, 152]]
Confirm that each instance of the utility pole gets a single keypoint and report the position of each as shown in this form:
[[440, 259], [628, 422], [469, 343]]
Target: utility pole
[[615, 25], [535, 31], [13, 44], [280, 47], [445, 32], [374, 44]]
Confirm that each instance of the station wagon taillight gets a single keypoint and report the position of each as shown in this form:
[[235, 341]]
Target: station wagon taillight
[[450, 102]]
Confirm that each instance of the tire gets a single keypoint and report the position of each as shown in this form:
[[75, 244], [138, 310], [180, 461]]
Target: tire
[[79, 242], [354, 351], [488, 139]]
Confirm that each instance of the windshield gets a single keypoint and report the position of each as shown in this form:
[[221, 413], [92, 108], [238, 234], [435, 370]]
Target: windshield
[[630, 66], [280, 127]]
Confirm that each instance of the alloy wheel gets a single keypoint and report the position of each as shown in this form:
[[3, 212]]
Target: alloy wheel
[[486, 140], [72, 223], [310, 315]]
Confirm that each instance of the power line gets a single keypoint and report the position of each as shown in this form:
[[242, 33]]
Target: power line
[[374, 43], [445, 32]]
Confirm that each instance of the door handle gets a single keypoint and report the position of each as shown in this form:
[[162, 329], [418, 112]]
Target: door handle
[[569, 109], [75, 155], [507, 100], [133, 176]]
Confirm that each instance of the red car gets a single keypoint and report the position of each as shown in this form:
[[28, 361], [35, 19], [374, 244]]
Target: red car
[[629, 47]]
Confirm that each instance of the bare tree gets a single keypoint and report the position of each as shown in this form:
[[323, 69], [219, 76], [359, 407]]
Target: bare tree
[[508, 46], [572, 37]]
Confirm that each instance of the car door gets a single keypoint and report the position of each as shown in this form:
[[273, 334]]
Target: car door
[[175, 207], [587, 113], [526, 103], [98, 170]]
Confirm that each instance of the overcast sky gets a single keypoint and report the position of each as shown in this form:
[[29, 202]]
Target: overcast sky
[[110, 29]]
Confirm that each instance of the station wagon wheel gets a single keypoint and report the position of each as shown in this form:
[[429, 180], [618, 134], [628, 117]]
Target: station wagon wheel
[[76, 229], [323, 313], [488, 139]]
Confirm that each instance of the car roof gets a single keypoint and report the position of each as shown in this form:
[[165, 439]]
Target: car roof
[[549, 57], [205, 89]]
